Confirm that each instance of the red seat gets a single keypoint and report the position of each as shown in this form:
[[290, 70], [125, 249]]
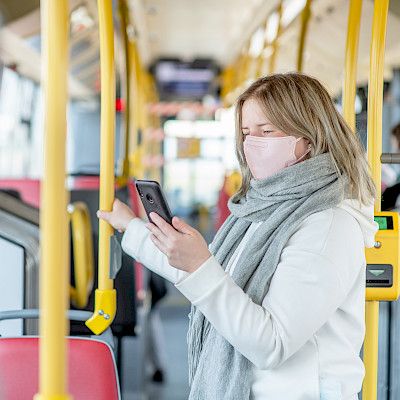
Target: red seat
[[91, 373]]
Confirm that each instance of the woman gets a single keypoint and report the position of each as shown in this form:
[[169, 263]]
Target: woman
[[278, 297]]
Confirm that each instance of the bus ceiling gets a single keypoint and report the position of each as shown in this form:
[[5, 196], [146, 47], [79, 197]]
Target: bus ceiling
[[12, 10]]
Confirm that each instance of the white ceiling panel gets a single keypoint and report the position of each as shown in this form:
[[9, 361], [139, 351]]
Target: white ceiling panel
[[218, 29], [188, 28]]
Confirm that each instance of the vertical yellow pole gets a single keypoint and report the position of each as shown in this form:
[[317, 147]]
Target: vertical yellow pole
[[156, 123], [370, 384], [138, 80], [105, 295], [124, 15], [375, 100], [351, 58], [136, 155], [375, 93], [54, 219], [133, 94], [227, 81], [244, 69], [237, 68], [260, 59], [275, 42], [305, 18], [147, 143], [107, 135]]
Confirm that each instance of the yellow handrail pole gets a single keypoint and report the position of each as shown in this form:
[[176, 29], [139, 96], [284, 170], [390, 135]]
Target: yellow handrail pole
[[244, 72], [305, 19], [375, 100], [370, 384], [133, 93], [124, 14], [105, 295], [134, 140], [157, 124], [147, 122], [107, 136], [142, 117], [351, 58], [260, 59], [138, 88], [237, 68], [147, 145], [53, 218], [275, 43], [227, 78]]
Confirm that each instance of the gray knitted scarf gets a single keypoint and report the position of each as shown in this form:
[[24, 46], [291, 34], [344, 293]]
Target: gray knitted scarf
[[216, 369]]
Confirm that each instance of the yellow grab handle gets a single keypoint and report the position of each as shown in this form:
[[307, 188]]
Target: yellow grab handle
[[83, 254], [104, 312], [105, 298]]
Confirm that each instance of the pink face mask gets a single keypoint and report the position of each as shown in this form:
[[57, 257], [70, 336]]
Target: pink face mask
[[267, 156]]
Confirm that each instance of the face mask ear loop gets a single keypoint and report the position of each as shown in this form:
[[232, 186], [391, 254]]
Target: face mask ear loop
[[309, 147], [301, 157], [307, 151]]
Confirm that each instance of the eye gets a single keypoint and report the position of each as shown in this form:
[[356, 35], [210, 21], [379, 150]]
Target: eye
[[266, 132]]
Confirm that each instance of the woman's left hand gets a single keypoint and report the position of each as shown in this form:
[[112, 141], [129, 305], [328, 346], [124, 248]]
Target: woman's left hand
[[185, 248]]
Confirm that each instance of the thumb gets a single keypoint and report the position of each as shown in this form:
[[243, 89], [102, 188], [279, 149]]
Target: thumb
[[181, 226]]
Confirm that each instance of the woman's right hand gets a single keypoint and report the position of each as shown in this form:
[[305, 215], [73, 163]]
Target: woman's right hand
[[119, 217]]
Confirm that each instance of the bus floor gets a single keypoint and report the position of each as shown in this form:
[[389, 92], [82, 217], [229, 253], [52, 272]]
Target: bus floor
[[137, 384]]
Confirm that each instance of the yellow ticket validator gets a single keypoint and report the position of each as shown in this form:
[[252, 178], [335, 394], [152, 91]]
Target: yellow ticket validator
[[383, 275]]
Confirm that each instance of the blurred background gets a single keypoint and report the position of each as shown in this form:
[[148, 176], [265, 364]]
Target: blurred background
[[180, 65]]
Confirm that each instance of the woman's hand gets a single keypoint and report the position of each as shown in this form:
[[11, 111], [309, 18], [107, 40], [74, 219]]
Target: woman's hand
[[119, 217], [184, 246]]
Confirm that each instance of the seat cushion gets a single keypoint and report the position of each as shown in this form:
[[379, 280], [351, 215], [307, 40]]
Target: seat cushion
[[91, 373]]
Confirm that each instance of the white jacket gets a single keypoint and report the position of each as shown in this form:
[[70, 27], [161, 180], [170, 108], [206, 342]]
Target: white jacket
[[304, 340]]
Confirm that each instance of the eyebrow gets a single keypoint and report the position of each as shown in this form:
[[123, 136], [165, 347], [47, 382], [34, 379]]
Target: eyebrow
[[265, 123]]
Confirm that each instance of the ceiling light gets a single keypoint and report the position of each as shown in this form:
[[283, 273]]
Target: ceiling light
[[81, 19]]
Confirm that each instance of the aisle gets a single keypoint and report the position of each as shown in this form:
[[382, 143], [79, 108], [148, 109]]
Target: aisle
[[174, 311]]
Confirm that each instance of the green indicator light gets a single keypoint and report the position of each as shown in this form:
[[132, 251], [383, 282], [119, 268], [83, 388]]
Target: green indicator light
[[377, 272], [382, 222]]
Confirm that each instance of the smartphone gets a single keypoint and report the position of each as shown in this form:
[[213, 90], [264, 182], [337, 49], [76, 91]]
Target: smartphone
[[153, 199]]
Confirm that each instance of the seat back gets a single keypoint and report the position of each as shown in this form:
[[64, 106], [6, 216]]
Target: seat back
[[91, 369]]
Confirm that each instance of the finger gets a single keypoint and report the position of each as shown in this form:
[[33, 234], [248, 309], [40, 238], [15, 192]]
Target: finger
[[156, 232], [159, 244], [103, 215], [182, 226], [164, 226], [116, 203]]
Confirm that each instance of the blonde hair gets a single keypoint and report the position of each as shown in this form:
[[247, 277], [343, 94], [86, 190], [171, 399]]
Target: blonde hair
[[299, 105]]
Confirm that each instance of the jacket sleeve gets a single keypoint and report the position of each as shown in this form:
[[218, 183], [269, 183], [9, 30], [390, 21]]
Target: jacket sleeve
[[305, 291], [137, 243]]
